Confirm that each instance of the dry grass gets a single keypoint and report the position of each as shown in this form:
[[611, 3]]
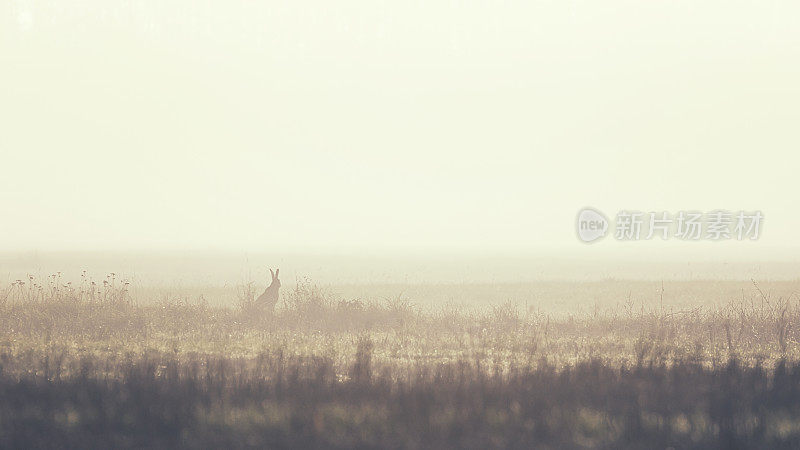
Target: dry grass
[[91, 366]]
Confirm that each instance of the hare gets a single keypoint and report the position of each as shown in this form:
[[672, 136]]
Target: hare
[[269, 298]]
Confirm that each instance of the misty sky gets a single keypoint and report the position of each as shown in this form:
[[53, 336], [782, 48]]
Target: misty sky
[[464, 125]]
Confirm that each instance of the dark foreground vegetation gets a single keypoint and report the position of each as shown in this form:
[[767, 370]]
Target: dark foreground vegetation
[[90, 367], [280, 401]]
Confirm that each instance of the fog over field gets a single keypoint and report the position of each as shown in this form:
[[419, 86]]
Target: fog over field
[[555, 285], [213, 268]]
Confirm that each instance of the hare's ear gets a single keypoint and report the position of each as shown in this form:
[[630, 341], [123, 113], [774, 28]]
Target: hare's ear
[[277, 271], [272, 273]]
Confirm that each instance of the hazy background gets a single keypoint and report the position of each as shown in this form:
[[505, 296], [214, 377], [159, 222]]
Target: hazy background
[[391, 141]]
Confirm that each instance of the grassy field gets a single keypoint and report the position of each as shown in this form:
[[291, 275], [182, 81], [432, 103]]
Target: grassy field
[[686, 364]]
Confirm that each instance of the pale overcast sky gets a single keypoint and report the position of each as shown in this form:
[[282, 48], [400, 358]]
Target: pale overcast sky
[[365, 124]]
